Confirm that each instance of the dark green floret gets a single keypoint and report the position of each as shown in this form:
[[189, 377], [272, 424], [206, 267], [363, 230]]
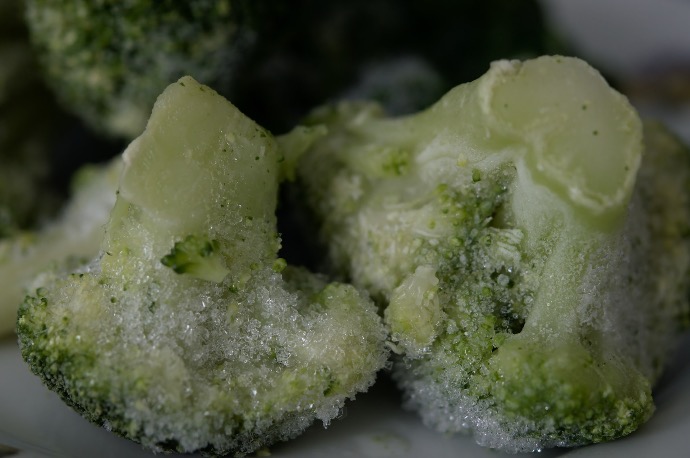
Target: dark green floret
[[108, 60], [198, 257]]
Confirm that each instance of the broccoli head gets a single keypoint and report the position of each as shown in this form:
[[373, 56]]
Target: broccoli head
[[188, 332], [534, 276]]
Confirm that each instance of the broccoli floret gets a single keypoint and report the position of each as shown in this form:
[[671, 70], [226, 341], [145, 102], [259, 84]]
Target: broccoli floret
[[70, 239], [108, 60], [232, 355], [533, 281]]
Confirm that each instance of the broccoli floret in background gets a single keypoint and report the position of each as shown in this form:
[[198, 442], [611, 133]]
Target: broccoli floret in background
[[188, 332], [533, 281], [108, 60], [68, 240]]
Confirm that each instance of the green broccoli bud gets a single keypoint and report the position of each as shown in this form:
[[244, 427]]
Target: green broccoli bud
[[74, 236], [236, 352], [197, 257], [534, 276]]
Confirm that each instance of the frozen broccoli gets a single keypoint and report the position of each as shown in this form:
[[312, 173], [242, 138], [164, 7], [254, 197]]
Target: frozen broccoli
[[188, 332], [533, 280], [72, 238], [108, 60]]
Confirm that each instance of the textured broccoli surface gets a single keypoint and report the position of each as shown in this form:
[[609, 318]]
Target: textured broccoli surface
[[70, 239], [188, 333], [108, 60], [533, 281]]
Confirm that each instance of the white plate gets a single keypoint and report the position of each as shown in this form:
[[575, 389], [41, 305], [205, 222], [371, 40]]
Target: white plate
[[620, 35], [36, 423]]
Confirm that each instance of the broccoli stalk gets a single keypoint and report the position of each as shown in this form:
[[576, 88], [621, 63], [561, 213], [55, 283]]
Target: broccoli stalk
[[188, 332], [515, 253]]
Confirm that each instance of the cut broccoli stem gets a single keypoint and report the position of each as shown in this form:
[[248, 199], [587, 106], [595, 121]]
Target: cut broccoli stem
[[583, 140], [240, 187]]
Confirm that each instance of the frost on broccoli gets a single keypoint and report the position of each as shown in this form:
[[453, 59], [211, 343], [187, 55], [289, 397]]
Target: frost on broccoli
[[70, 239], [533, 281], [108, 60], [188, 332]]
